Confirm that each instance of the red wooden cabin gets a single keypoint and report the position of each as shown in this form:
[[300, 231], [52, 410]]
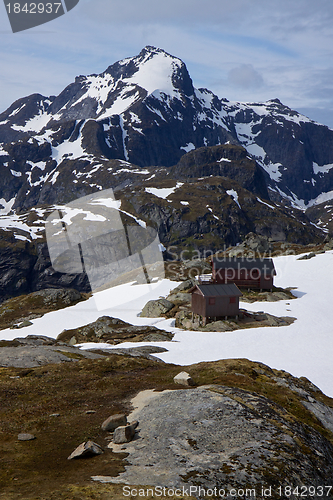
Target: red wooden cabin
[[249, 273], [215, 301]]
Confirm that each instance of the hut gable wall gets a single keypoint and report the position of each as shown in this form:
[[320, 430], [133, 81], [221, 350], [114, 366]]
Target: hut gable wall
[[211, 301], [198, 304]]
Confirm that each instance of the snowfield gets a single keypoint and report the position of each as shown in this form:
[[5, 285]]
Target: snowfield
[[304, 348]]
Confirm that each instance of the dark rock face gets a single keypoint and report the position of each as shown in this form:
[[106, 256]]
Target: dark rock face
[[16, 264], [228, 161], [44, 276], [25, 267], [209, 213]]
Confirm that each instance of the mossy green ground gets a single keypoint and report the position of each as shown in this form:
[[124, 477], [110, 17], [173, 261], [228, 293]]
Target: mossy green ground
[[39, 469]]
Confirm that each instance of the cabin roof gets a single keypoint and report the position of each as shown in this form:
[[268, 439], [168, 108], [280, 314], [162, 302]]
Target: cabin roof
[[211, 290], [263, 265]]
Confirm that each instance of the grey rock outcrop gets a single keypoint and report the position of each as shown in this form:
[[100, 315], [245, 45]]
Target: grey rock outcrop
[[156, 308], [144, 351], [179, 298], [36, 351], [184, 285], [217, 436], [329, 245], [113, 331], [251, 245]]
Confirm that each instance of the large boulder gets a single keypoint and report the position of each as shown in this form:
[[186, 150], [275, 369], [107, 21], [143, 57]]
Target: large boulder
[[183, 378], [156, 308]]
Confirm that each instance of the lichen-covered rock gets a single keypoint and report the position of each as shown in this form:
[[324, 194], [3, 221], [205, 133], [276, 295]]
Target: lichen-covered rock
[[111, 330], [180, 298], [185, 285], [218, 326], [156, 308], [218, 436]]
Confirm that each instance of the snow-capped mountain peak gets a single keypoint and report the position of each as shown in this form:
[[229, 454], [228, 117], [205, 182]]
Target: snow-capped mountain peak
[[153, 69], [144, 110], [99, 96]]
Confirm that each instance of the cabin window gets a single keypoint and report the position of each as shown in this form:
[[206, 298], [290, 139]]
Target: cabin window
[[211, 301], [232, 300]]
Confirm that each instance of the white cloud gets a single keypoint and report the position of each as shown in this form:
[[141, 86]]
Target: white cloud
[[245, 76]]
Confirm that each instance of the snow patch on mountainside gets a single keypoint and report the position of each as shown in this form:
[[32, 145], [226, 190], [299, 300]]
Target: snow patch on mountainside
[[224, 159], [6, 206], [301, 204], [234, 195], [273, 170], [188, 147], [321, 169], [122, 102], [267, 204], [72, 150], [17, 224], [163, 192], [35, 124], [98, 89]]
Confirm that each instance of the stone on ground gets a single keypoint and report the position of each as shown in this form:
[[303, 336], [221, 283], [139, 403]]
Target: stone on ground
[[114, 421], [86, 449]]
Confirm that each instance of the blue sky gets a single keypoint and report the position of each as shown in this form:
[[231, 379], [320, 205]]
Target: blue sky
[[244, 50]]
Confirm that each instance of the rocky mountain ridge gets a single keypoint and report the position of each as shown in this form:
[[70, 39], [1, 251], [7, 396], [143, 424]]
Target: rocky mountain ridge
[[145, 110], [200, 170]]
